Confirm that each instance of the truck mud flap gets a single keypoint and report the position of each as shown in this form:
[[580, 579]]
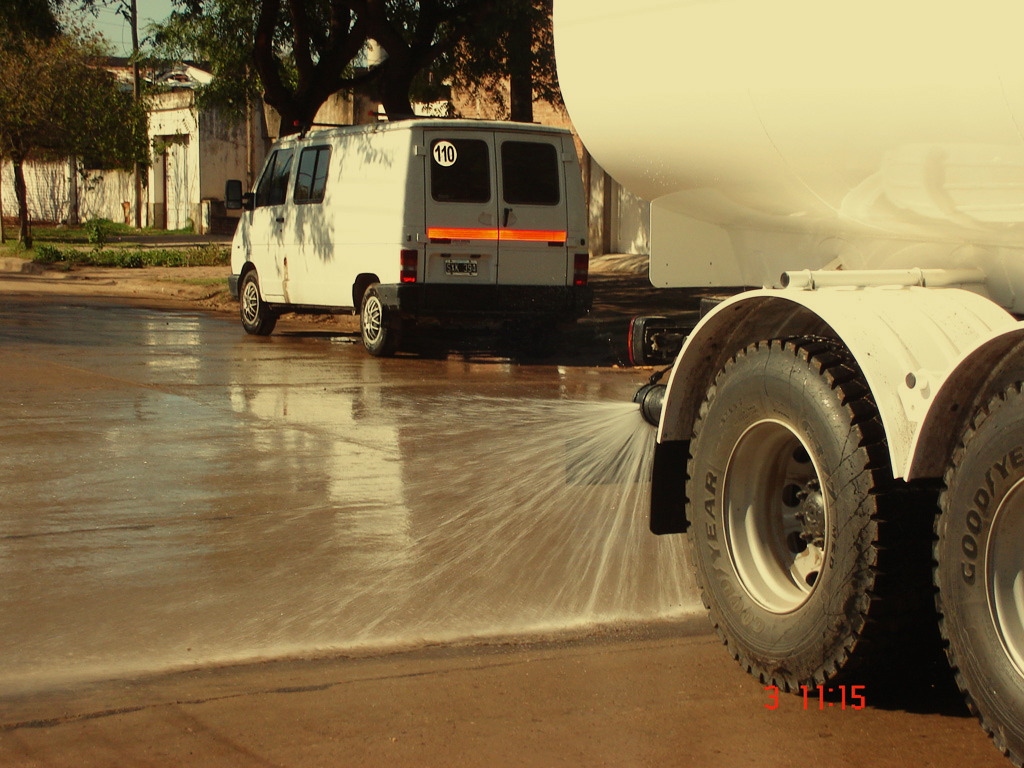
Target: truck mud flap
[[668, 488]]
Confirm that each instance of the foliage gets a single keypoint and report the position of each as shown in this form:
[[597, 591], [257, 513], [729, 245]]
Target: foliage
[[134, 258], [29, 18], [97, 230], [299, 52], [220, 33], [55, 103], [516, 43], [415, 34]]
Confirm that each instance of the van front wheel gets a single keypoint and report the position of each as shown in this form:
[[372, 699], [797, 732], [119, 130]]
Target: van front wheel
[[257, 317], [379, 330]]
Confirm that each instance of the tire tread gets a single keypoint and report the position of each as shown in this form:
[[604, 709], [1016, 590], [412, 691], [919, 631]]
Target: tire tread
[[892, 606], [981, 415]]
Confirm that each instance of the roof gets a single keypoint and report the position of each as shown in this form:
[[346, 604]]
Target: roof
[[431, 124]]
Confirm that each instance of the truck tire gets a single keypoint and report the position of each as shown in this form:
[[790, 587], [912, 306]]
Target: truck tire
[[789, 493], [257, 316], [979, 571], [380, 332]]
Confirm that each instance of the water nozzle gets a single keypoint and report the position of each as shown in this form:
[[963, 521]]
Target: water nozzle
[[650, 398]]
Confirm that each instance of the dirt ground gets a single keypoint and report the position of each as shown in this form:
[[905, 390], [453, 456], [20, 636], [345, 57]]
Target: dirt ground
[[658, 695]]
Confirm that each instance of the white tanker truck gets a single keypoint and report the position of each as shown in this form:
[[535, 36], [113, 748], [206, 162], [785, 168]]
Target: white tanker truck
[[845, 444]]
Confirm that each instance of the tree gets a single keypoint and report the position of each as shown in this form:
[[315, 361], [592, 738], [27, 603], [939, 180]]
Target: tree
[[55, 103], [516, 43], [299, 52], [414, 34], [29, 18]]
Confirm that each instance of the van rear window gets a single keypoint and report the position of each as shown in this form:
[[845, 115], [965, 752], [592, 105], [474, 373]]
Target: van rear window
[[460, 171], [529, 173], [312, 176]]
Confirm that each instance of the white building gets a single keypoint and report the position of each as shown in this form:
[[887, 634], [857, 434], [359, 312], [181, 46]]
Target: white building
[[193, 153]]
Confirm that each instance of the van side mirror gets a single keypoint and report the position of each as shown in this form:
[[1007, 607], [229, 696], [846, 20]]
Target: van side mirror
[[234, 199]]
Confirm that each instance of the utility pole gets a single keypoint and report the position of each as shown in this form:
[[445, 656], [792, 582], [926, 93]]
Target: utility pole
[[137, 94]]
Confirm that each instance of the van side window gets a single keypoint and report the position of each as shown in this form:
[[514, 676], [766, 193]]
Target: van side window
[[465, 176], [312, 176], [529, 173], [273, 186]]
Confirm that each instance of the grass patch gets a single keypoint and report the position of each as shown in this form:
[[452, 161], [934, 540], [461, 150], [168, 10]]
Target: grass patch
[[89, 233], [200, 282], [134, 258]]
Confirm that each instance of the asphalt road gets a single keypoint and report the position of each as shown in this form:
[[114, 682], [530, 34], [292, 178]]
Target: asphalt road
[[219, 550]]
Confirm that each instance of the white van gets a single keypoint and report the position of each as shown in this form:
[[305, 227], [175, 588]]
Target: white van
[[452, 220]]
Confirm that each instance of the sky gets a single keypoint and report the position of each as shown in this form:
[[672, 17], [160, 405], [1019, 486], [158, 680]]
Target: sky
[[118, 32]]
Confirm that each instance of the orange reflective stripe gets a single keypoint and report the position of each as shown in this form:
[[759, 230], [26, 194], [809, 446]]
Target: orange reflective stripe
[[513, 235], [461, 233], [531, 235]]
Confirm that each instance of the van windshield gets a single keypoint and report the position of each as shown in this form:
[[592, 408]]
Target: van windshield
[[460, 171]]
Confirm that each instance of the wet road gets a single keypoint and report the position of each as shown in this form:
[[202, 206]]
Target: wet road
[[177, 493], [177, 496]]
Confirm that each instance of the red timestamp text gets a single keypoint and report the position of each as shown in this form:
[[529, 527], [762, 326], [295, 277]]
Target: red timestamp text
[[822, 698]]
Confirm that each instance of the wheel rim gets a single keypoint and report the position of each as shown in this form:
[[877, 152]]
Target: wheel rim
[[372, 320], [775, 517], [251, 302], [1005, 574]]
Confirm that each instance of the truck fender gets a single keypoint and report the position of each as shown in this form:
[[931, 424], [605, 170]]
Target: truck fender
[[988, 368], [910, 342]]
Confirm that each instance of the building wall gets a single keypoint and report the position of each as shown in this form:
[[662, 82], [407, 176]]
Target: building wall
[[53, 188], [48, 190], [192, 157], [173, 188]]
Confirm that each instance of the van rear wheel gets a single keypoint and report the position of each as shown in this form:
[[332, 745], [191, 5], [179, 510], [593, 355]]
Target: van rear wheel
[[257, 316], [379, 329]]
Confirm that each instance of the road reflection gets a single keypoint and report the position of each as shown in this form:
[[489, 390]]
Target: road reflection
[[176, 493]]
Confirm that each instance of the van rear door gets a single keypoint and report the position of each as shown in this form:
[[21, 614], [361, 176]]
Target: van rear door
[[461, 208], [532, 210]]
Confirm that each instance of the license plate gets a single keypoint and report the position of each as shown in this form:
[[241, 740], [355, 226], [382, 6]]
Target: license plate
[[459, 267]]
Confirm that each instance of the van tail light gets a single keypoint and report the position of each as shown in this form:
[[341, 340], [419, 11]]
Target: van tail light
[[410, 260], [580, 268]]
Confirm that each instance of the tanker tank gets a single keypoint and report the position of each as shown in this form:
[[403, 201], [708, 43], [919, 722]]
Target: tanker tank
[[796, 134]]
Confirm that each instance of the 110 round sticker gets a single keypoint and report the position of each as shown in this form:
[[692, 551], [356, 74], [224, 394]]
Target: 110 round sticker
[[445, 153]]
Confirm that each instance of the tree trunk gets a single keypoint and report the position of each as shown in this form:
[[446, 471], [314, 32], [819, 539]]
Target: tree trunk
[[520, 68], [295, 113], [3, 236], [394, 95], [73, 190], [21, 192]]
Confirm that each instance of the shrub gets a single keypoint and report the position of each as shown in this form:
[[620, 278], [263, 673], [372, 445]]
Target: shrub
[[47, 254], [130, 260], [97, 230]]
